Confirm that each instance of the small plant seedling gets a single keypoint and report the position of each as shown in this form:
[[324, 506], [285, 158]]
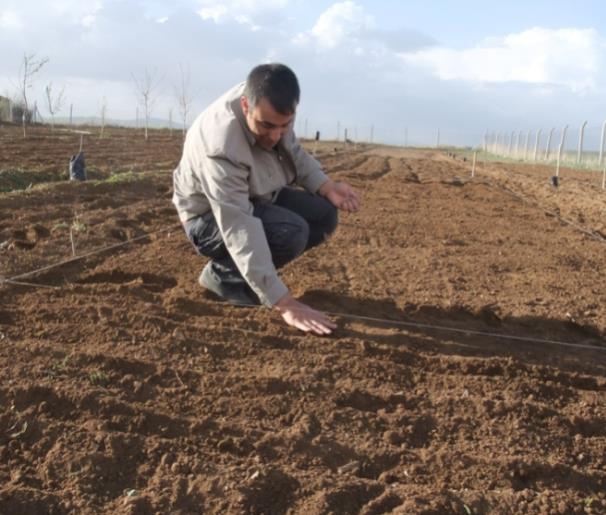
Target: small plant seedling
[[60, 226], [98, 378], [78, 225], [467, 509], [61, 365]]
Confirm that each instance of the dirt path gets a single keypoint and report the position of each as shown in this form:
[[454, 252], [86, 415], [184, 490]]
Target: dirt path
[[125, 389]]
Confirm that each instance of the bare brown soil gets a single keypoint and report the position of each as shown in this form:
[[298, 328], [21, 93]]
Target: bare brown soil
[[125, 389], [43, 156]]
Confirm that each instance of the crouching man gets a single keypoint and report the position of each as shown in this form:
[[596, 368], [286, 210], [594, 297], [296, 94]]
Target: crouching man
[[251, 199]]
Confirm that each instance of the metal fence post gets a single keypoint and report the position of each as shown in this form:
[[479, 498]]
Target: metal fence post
[[536, 145], [526, 145], [548, 148], [580, 149], [602, 143], [562, 141]]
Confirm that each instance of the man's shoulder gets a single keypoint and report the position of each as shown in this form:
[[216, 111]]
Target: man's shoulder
[[220, 130]]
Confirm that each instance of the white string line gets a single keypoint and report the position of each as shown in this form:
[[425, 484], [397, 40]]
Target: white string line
[[83, 256]]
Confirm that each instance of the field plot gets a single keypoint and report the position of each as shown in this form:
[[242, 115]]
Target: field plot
[[125, 389]]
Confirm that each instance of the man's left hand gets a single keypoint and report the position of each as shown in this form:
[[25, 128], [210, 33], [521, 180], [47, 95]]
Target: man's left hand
[[341, 195]]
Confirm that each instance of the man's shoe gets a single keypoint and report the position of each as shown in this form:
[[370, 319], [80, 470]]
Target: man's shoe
[[239, 294]]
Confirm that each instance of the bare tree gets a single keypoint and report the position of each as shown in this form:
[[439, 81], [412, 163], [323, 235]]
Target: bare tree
[[103, 115], [54, 103], [184, 95], [28, 69], [147, 88]]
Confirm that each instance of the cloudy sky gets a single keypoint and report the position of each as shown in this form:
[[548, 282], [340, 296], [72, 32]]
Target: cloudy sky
[[408, 68]]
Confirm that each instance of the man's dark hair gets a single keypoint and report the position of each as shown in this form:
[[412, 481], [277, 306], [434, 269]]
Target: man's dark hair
[[277, 83]]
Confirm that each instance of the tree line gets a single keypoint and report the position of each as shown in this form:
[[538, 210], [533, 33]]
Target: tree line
[[147, 87]]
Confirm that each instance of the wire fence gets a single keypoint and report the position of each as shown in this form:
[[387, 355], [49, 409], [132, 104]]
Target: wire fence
[[580, 148]]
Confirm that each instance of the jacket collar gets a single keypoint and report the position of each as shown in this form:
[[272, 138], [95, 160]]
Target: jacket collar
[[250, 137]]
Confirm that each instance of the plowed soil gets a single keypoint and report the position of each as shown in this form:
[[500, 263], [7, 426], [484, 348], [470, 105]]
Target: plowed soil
[[467, 375]]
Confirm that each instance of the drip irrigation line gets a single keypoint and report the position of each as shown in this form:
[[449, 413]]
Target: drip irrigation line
[[418, 325], [32, 285], [83, 256], [401, 323], [555, 214], [588, 232]]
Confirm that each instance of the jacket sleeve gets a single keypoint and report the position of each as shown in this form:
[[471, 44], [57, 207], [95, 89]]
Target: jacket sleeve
[[226, 187], [309, 170]]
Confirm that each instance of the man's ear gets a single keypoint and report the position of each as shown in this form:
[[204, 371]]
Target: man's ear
[[244, 104]]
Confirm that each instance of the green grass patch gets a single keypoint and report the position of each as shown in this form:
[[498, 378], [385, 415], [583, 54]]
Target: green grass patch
[[129, 176], [14, 180]]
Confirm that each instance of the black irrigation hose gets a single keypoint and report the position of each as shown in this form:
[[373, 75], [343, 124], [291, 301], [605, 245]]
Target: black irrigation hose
[[83, 256]]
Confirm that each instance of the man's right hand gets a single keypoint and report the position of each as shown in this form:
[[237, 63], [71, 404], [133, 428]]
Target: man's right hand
[[303, 317]]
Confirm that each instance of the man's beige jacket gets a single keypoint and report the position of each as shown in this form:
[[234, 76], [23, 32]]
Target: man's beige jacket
[[222, 169]]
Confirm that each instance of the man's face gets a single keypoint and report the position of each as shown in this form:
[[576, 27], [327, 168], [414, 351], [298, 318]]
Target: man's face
[[266, 124]]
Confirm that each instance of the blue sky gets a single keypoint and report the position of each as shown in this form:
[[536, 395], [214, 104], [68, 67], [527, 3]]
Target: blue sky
[[462, 67]]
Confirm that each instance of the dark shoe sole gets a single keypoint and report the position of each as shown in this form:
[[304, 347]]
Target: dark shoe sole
[[240, 299]]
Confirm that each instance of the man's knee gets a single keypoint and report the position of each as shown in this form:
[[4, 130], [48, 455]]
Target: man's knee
[[288, 240], [325, 225], [203, 233], [292, 238], [331, 219]]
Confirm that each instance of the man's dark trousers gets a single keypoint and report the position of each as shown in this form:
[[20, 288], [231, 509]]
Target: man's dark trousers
[[296, 222]]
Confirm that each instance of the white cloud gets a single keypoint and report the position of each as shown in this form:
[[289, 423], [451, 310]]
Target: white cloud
[[346, 27], [342, 23], [245, 12], [88, 20], [84, 13], [213, 12], [562, 57], [10, 20], [20, 14]]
